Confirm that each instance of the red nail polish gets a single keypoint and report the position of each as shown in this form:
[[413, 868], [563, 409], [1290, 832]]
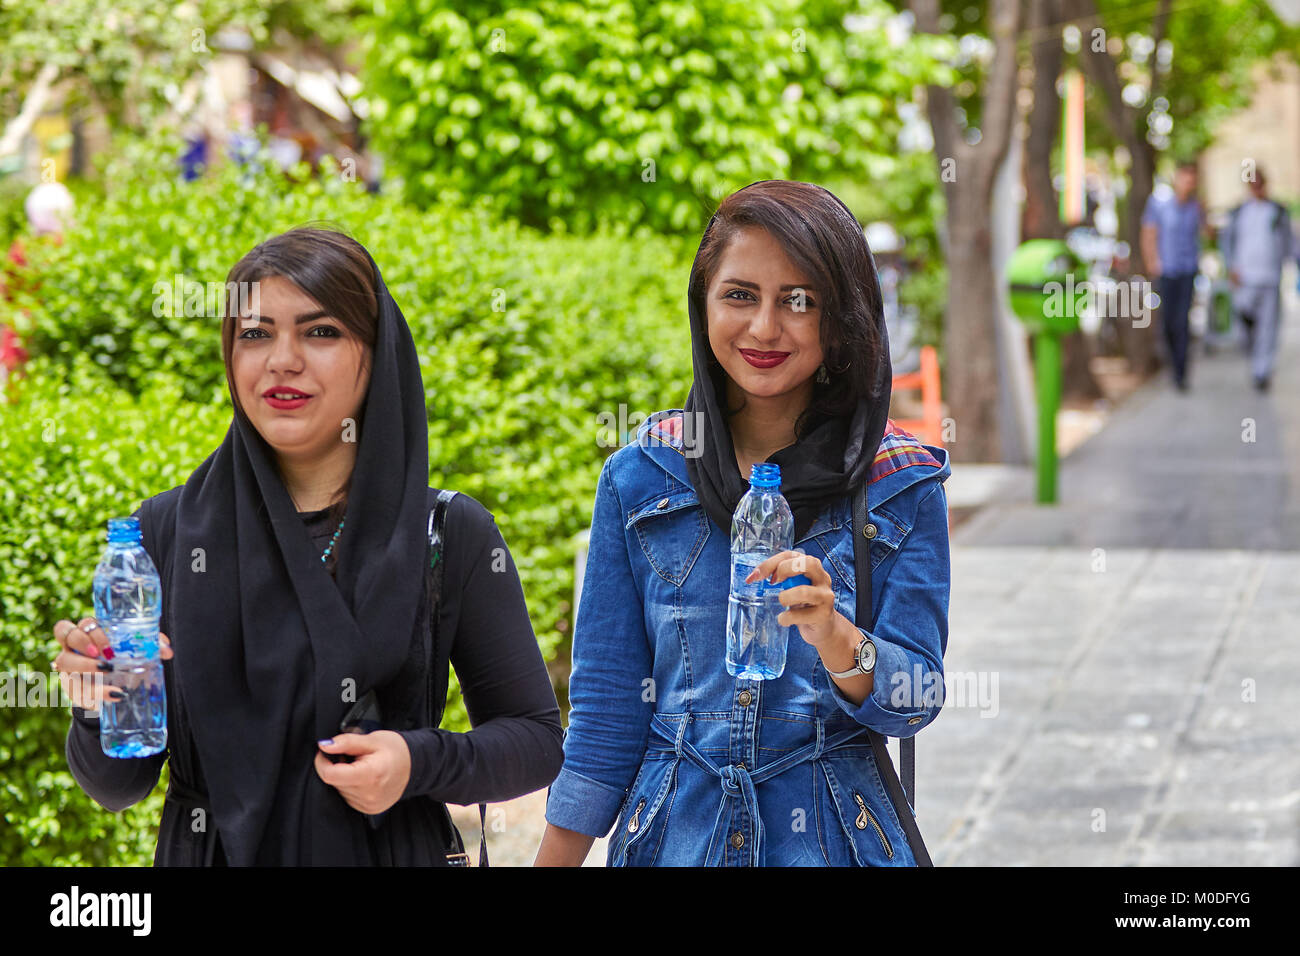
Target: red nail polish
[[108, 653]]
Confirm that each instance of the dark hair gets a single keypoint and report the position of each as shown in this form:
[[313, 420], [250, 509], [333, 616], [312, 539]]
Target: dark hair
[[334, 270], [826, 243]]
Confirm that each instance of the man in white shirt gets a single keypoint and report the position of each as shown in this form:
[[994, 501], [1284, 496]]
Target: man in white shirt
[[1256, 241]]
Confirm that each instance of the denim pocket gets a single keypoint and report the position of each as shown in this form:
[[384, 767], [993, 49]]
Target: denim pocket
[[886, 534], [890, 531], [642, 825], [672, 530], [855, 830]]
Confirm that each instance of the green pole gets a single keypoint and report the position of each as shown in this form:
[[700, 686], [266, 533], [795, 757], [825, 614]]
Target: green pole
[[1047, 372]]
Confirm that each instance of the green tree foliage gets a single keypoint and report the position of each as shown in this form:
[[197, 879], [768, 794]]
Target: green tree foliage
[[635, 112], [130, 57], [1206, 67]]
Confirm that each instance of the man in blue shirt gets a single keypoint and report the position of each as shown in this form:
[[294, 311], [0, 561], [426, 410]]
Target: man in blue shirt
[[1255, 242], [1171, 228]]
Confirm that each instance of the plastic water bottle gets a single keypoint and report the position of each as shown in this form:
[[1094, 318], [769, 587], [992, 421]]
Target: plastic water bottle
[[128, 605], [762, 526]]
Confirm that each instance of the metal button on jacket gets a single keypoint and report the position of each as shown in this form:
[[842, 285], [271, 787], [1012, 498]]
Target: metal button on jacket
[[745, 698], [738, 839], [869, 530]]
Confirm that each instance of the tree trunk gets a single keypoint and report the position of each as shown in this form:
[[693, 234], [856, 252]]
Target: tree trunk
[[33, 103], [968, 172], [971, 384], [1041, 218], [1137, 344]]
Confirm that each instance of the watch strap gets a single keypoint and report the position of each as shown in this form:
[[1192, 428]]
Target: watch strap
[[856, 669]]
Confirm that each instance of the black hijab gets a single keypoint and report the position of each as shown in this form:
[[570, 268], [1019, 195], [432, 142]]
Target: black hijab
[[827, 464], [269, 650]]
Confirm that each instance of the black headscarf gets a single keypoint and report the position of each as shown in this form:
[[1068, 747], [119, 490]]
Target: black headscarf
[[267, 645], [827, 464]]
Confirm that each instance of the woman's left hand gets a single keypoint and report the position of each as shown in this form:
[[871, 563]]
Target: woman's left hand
[[810, 607], [378, 773]]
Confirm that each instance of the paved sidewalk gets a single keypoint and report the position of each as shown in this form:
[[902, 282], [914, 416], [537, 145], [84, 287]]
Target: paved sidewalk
[[1144, 636]]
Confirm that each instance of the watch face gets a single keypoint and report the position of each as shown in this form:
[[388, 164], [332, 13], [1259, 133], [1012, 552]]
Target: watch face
[[867, 657]]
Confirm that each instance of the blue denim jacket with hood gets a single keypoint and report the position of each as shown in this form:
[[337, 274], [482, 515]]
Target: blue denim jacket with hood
[[693, 762], [696, 766]]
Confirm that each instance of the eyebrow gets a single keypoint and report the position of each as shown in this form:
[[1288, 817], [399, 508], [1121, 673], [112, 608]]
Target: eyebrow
[[305, 317], [754, 285]]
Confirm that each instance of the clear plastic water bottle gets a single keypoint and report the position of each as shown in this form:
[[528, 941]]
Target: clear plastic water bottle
[[762, 525], [128, 605]]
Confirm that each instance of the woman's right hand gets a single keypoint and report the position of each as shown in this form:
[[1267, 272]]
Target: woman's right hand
[[84, 650]]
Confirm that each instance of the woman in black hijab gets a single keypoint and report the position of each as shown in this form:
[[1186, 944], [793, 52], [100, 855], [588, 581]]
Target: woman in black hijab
[[296, 565]]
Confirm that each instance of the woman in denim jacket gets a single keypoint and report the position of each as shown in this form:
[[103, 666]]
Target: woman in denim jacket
[[791, 366]]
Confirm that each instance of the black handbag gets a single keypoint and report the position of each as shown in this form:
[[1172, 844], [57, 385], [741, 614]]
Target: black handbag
[[436, 685], [900, 798]]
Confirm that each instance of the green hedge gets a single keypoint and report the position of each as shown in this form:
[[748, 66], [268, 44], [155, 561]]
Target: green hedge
[[138, 401], [75, 452]]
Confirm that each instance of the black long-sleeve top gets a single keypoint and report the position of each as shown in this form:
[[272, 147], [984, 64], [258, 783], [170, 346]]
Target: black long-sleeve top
[[514, 747]]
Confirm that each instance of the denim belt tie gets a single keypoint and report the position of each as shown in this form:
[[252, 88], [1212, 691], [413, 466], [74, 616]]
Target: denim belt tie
[[737, 781]]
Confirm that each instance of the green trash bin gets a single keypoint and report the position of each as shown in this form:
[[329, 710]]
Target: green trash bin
[[1048, 290]]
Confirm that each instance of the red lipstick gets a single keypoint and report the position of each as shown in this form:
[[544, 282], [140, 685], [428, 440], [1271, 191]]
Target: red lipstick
[[764, 359]]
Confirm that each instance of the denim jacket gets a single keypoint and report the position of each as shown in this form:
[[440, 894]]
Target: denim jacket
[[699, 767]]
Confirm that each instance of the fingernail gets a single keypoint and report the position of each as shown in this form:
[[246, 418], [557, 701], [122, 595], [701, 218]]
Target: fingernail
[[108, 653], [104, 665], [326, 743], [114, 694]]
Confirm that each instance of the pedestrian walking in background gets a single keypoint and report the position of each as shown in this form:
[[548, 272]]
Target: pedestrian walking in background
[[1255, 242], [1171, 230]]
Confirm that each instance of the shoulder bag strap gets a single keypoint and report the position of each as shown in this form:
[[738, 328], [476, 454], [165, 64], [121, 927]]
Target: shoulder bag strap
[[437, 540], [902, 800]]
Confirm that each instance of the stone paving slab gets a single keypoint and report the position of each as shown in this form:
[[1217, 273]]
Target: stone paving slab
[[1133, 707]]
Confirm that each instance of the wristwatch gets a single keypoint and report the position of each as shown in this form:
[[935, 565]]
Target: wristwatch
[[864, 660]]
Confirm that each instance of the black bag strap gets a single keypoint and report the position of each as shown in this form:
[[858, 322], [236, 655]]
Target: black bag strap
[[434, 706], [900, 798]]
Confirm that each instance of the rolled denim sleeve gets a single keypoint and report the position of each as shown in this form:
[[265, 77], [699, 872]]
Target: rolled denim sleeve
[[610, 713], [910, 629]]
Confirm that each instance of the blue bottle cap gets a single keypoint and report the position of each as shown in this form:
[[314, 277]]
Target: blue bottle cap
[[765, 475], [123, 530]]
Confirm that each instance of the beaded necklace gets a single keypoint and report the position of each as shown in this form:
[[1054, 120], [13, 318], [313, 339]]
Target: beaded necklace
[[330, 547]]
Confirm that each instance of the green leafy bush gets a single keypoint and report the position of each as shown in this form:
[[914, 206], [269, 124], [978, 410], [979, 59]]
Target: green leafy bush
[[75, 452], [647, 111]]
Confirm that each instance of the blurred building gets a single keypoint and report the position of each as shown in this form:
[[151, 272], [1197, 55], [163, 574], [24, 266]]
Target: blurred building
[[1267, 133]]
